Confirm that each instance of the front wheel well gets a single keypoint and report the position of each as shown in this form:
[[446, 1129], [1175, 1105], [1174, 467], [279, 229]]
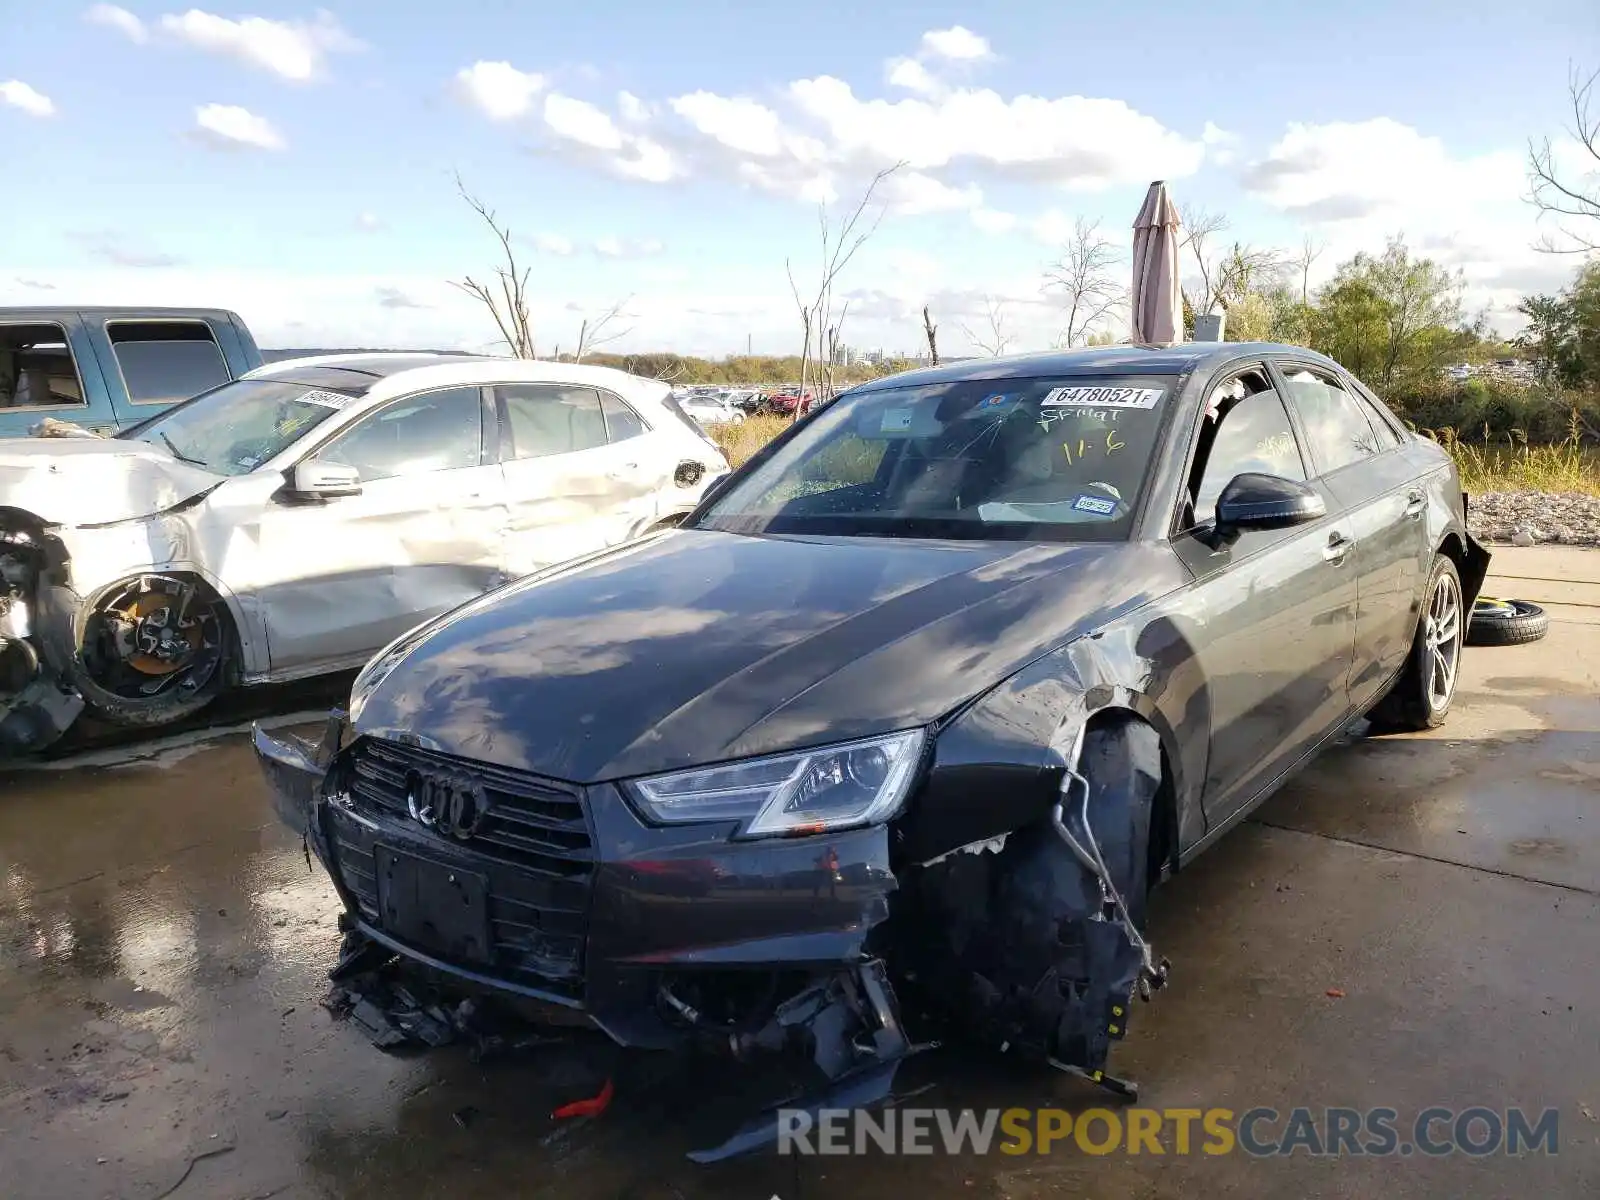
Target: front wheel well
[[154, 646], [1162, 850]]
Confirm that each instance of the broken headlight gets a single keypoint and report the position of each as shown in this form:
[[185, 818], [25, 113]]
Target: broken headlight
[[832, 787]]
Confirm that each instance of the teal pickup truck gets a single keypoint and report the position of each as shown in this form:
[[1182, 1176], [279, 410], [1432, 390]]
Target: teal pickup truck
[[108, 368]]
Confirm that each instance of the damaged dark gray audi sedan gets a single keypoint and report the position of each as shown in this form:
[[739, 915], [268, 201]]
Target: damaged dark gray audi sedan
[[906, 719]]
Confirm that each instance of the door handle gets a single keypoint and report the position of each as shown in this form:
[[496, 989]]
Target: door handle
[[1338, 546], [1416, 503]]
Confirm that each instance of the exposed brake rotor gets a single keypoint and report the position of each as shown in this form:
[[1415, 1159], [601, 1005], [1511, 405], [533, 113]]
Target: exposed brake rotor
[[159, 642]]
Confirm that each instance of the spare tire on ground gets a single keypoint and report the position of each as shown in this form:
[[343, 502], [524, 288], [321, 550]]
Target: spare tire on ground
[[1506, 622]]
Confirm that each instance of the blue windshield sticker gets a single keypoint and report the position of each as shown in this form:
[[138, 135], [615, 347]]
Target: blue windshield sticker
[[1098, 505], [996, 403], [897, 420]]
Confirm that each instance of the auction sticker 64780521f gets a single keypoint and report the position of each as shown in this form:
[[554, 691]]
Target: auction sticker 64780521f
[[1101, 397]]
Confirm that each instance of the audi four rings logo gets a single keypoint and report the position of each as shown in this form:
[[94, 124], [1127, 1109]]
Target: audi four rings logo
[[455, 807]]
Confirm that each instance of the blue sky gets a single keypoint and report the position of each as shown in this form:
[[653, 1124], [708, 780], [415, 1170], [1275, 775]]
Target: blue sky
[[297, 163]]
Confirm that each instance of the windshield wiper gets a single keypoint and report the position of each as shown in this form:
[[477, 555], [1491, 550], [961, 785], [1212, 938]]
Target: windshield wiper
[[179, 454]]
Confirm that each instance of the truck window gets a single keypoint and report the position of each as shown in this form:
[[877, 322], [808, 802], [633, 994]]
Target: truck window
[[166, 361], [37, 369]]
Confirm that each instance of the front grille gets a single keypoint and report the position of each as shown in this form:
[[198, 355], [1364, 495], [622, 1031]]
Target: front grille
[[534, 848]]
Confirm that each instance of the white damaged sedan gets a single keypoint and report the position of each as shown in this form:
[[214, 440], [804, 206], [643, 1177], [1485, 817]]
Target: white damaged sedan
[[298, 519]]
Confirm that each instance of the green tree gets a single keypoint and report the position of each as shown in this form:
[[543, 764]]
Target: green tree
[[1389, 317]]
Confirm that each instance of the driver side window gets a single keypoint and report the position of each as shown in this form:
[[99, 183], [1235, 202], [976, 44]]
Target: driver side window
[[433, 431], [1252, 433]]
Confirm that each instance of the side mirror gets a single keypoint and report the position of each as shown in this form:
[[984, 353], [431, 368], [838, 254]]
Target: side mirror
[[1255, 501], [314, 480]]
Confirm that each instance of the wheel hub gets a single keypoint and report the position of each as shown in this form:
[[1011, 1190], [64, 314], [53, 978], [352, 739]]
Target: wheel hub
[[154, 641]]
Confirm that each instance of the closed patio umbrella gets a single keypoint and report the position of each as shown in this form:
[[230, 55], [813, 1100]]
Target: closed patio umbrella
[[1157, 301]]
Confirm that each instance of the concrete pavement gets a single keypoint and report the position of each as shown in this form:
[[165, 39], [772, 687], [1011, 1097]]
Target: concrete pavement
[[163, 948]]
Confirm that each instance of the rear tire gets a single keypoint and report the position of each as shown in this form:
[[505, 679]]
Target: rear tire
[[1421, 697]]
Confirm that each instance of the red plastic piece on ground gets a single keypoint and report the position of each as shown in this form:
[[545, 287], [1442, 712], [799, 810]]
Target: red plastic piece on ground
[[591, 1107]]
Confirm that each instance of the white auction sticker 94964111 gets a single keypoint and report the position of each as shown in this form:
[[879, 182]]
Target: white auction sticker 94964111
[[1101, 397]]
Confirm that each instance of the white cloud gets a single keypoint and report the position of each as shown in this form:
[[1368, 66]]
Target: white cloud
[[916, 192], [553, 243], [389, 296], [991, 220], [1357, 183], [369, 222], [20, 95], [1350, 170], [616, 247], [294, 50], [1052, 227], [589, 129], [229, 126], [632, 109], [581, 122], [733, 121], [1221, 146], [910, 74], [1072, 140], [120, 19], [498, 89], [958, 43]]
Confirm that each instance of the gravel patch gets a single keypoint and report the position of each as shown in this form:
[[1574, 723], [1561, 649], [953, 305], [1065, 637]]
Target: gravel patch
[[1535, 518]]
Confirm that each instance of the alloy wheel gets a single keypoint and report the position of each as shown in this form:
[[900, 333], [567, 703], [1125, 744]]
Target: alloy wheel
[[1442, 636]]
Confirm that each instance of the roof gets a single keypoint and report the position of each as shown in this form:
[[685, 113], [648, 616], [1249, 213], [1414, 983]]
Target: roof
[[377, 376], [1095, 360], [47, 312], [375, 364]]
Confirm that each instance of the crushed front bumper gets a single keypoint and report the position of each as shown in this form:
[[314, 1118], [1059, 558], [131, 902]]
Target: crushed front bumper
[[569, 898]]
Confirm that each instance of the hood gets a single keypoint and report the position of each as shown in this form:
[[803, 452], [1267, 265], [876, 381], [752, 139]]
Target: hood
[[94, 481], [699, 647]]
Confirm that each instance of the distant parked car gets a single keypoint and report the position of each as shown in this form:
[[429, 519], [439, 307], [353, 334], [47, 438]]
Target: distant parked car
[[294, 521], [104, 369], [712, 409], [785, 403]]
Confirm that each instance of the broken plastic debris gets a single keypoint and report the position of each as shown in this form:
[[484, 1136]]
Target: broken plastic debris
[[592, 1107], [1336, 993]]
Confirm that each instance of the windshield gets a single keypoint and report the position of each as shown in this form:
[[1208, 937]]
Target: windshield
[[1060, 459], [233, 429]]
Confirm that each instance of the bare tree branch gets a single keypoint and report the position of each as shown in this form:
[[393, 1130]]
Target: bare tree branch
[[931, 331], [509, 308], [1572, 200], [596, 332], [994, 341], [1083, 278], [1310, 251], [1245, 269], [1199, 226], [838, 245]]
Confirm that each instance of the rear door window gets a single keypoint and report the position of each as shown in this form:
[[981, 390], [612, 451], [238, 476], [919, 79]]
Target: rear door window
[[163, 362], [550, 418], [37, 369], [1336, 425], [622, 422]]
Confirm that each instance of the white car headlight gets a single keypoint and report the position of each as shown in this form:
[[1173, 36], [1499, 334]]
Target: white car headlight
[[810, 791]]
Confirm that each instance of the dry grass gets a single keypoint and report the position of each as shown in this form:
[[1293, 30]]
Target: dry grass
[[739, 442], [1509, 463]]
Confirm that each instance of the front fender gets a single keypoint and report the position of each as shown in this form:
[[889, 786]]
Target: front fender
[[998, 763]]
